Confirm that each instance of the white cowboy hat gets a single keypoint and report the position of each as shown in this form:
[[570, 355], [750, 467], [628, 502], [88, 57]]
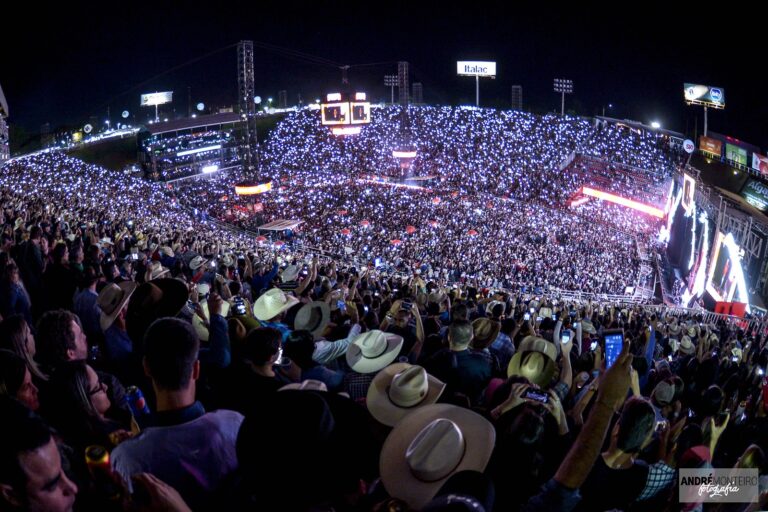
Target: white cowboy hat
[[313, 317], [437, 441], [196, 262], [272, 303], [399, 389], [157, 270], [290, 273], [373, 350], [112, 299], [167, 251], [197, 322]]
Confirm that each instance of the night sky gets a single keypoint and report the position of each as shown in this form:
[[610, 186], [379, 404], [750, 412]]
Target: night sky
[[67, 63]]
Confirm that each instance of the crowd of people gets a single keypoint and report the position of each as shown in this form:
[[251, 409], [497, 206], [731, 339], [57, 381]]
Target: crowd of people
[[496, 206], [154, 360]]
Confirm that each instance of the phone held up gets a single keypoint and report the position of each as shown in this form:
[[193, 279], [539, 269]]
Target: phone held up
[[613, 342]]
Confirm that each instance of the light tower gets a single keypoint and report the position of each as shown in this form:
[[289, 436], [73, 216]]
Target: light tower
[[563, 86], [247, 103], [5, 153]]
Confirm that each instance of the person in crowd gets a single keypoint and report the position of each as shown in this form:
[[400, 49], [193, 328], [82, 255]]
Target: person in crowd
[[190, 449], [16, 336], [16, 380]]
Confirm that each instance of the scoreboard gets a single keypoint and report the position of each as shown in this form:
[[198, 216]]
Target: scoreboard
[[339, 112]]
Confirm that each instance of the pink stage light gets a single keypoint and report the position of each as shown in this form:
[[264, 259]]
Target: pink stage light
[[623, 201]]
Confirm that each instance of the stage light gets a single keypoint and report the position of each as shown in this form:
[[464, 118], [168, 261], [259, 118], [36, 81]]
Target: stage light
[[655, 125], [623, 201]]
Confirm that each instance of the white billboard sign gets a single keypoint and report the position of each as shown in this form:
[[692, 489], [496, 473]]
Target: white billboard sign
[[475, 68], [156, 98]]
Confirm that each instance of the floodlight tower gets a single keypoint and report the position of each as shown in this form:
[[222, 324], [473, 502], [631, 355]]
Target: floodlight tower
[[391, 82], [247, 102], [563, 86]]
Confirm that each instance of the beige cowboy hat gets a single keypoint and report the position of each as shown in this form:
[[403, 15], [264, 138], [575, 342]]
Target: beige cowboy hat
[[437, 441], [290, 273], [196, 262], [485, 332], [272, 303], [399, 389], [373, 350], [534, 360], [306, 385], [156, 270], [112, 299]]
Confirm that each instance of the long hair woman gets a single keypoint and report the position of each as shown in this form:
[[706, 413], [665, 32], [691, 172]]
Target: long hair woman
[[16, 336]]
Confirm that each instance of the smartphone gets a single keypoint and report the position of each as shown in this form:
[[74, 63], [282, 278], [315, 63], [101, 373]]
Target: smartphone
[[341, 305], [661, 425], [280, 360], [239, 306], [572, 312], [760, 371], [554, 317], [527, 317], [539, 319], [614, 340], [406, 306], [532, 310], [593, 346], [735, 359], [535, 394], [565, 337], [690, 413]]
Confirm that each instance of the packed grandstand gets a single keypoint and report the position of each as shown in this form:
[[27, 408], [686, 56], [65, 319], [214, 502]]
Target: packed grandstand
[[412, 344]]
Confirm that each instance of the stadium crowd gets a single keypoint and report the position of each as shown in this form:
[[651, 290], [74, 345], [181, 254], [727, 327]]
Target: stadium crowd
[[277, 379]]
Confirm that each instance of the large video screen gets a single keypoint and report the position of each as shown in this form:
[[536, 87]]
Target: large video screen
[[726, 281], [707, 95]]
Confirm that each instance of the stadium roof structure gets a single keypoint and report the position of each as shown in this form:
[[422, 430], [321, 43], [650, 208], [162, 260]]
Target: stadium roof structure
[[3, 103], [640, 126], [280, 225], [190, 123]]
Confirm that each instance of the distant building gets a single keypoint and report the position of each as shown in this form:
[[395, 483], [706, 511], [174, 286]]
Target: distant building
[[418, 93], [517, 97], [5, 152]]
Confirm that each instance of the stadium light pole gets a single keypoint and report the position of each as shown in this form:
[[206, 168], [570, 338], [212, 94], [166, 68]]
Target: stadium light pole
[[391, 82], [563, 86]]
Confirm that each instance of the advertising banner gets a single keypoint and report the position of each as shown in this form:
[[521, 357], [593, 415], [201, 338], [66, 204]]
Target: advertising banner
[[709, 145], [706, 95], [756, 193], [736, 154], [472, 68], [760, 164]]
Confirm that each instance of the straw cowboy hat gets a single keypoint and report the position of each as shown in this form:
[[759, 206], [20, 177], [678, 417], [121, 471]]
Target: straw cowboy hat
[[686, 346], [156, 299], [373, 350], [272, 303], [112, 299], [485, 332], [535, 360], [437, 441], [313, 317], [200, 328], [399, 389]]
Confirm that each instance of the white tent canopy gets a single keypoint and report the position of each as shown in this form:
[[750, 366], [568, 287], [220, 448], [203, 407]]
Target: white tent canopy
[[281, 225]]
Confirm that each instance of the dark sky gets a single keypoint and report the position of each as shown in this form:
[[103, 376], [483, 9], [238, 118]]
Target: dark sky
[[66, 63]]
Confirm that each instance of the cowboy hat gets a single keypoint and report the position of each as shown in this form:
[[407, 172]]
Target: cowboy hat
[[400, 389], [156, 270], [196, 262], [112, 299], [158, 298], [227, 261], [272, 303], [437, 441], [535, 360], [485, 332], [197, 322], [290, 273], [686, 346], [306, 385], [588, 327], [167, 251], [373, 350], [313, 317]]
